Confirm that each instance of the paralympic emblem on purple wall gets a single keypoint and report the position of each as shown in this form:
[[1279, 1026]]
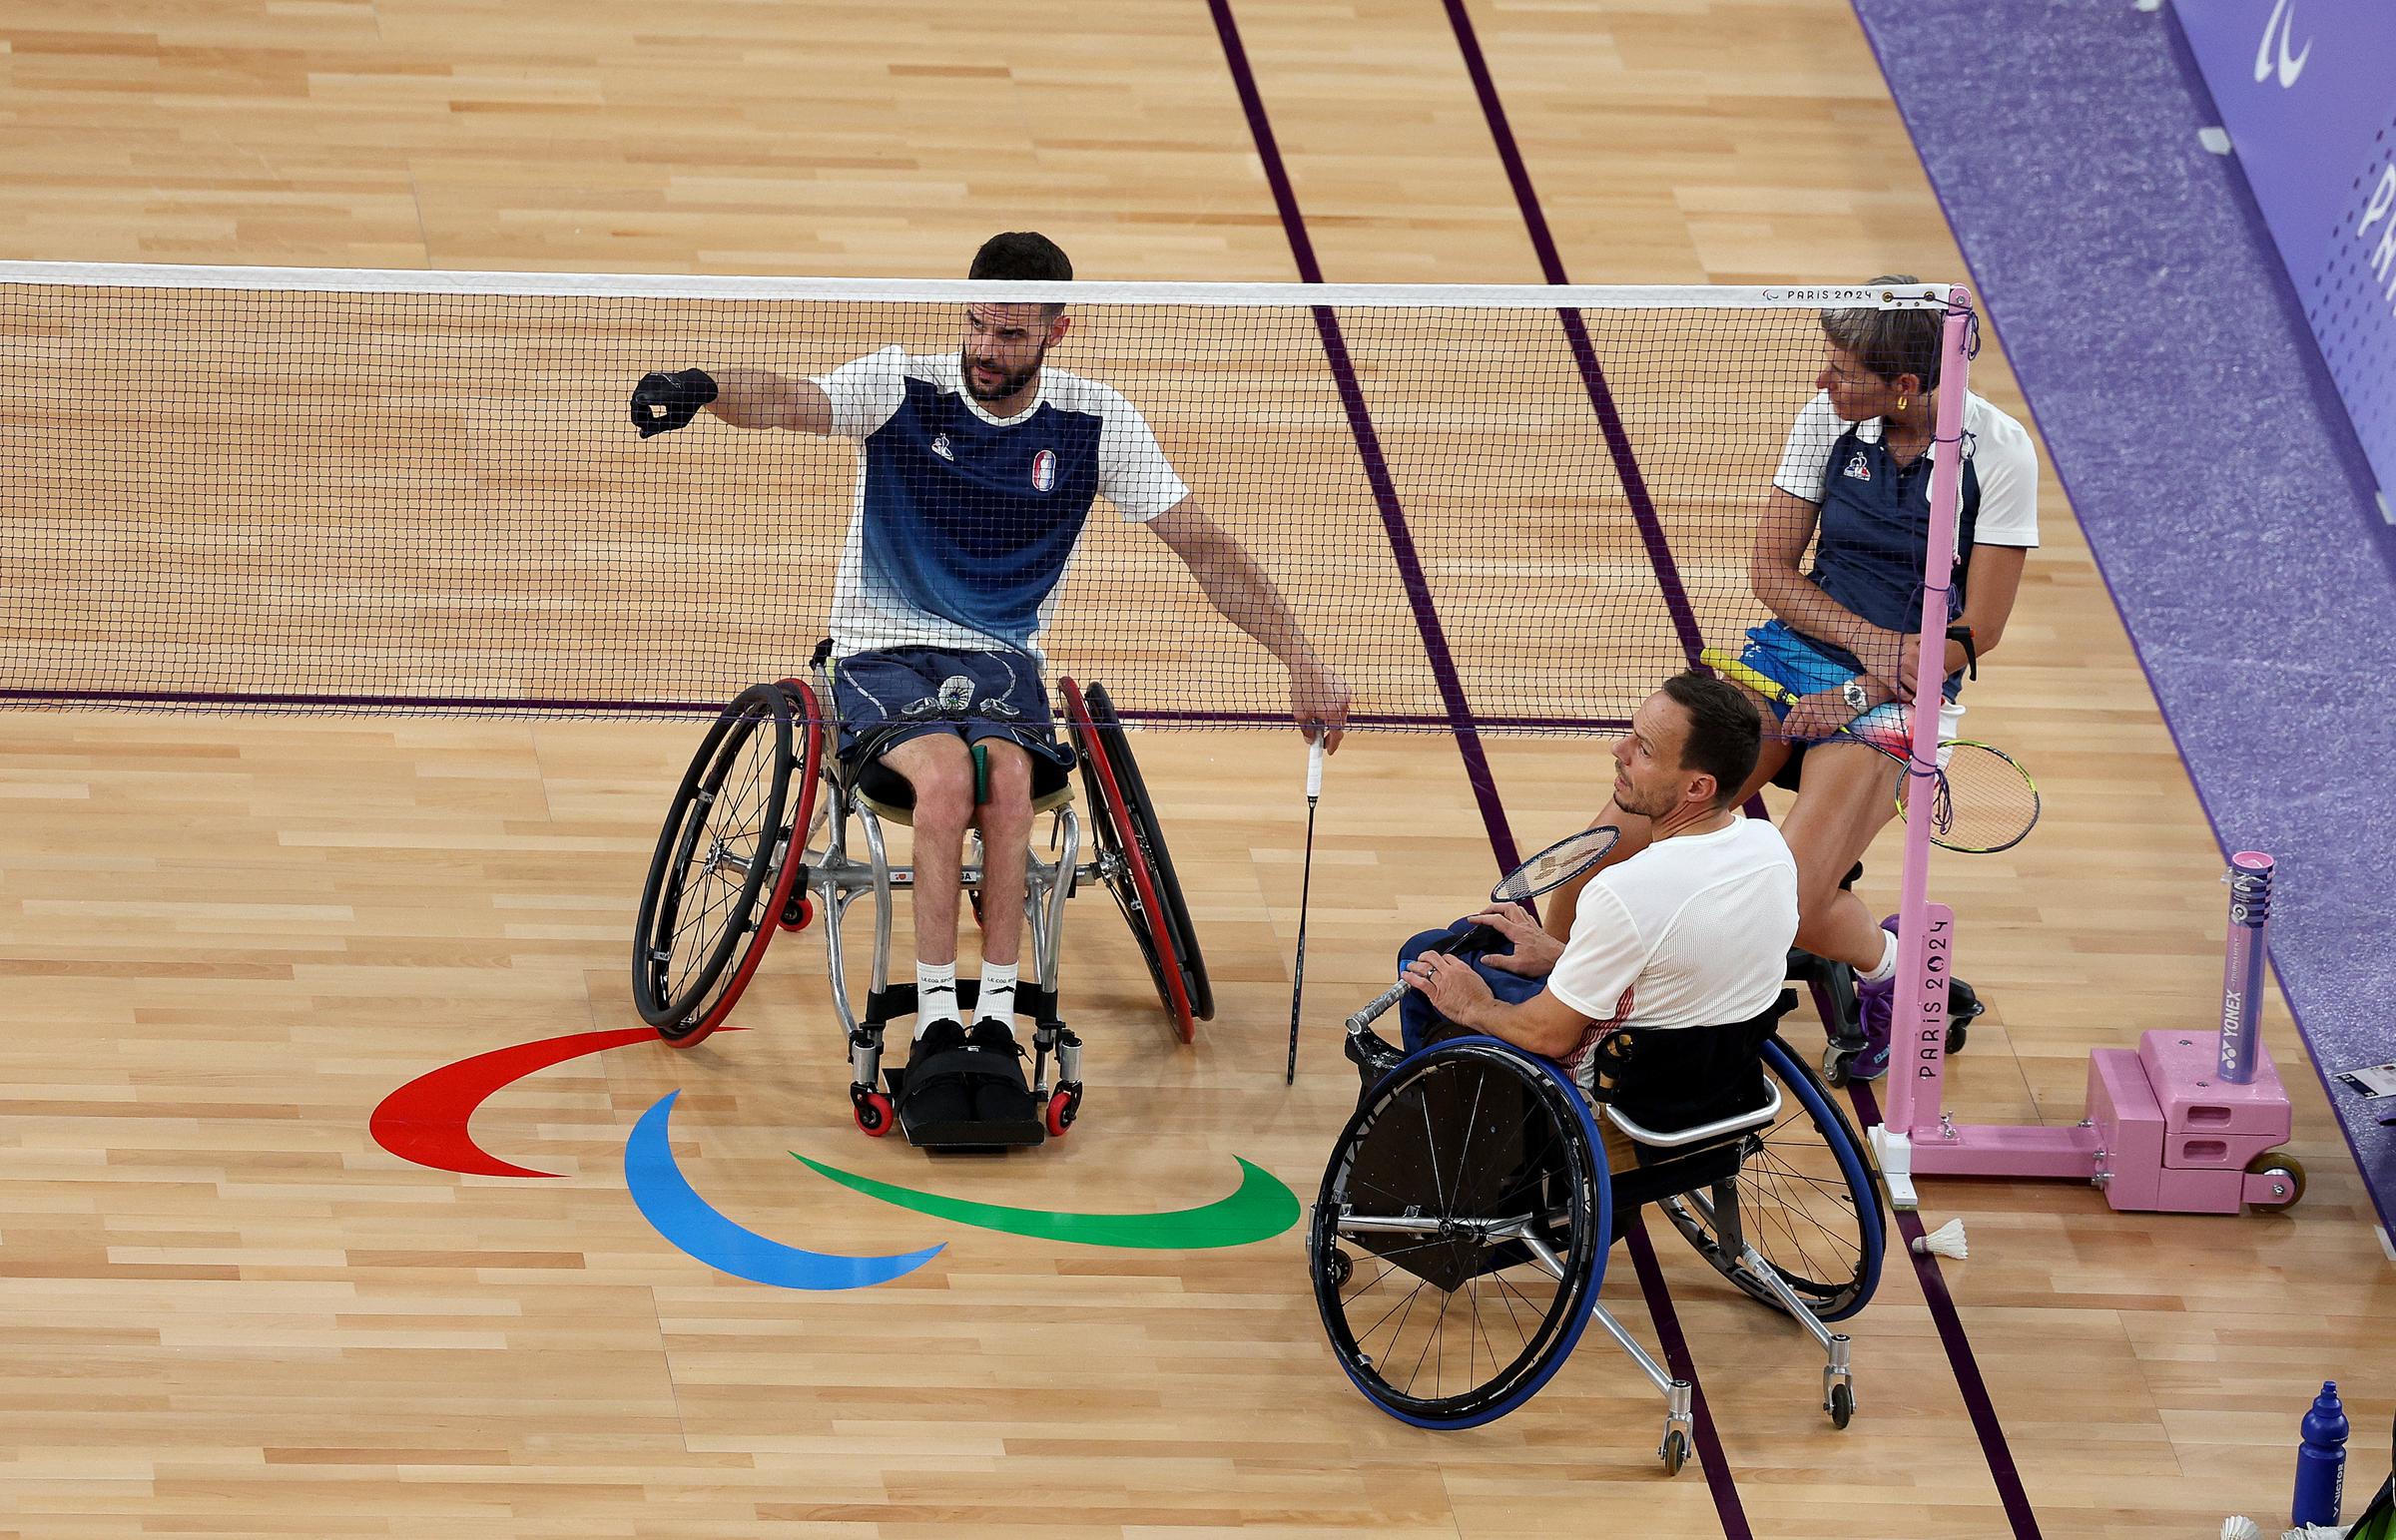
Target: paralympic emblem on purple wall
[[428, 1122], [2307, 92]]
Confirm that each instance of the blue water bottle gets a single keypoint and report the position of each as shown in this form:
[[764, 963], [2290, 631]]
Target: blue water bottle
[[2322, 1461]]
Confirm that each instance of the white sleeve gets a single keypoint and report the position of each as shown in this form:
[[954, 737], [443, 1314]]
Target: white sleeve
[[866, 392], [1805, 458], [1133, 472], [2007, 463], [1602, 958]]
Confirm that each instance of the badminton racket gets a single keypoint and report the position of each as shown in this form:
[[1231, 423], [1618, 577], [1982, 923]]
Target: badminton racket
[[1982, 800], [1545, 872], [1306, 887]]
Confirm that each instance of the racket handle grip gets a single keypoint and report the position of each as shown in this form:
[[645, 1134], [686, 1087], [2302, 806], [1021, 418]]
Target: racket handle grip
[[1375, 1010], [1314, 762]]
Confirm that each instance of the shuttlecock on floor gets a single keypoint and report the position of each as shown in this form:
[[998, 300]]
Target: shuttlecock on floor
[[1948, 1240], [2240, 1527], [2316, 1532]]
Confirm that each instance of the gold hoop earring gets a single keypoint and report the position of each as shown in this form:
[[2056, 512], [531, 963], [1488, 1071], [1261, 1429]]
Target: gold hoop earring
[[1901, 400]]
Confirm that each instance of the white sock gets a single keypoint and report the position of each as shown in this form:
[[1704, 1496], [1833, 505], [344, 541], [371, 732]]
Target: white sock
[[998, 999], [935, 994], [1888, 963]]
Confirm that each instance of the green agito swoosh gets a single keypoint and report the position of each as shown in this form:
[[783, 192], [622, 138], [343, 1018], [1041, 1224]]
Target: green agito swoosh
[[1263, 1207]]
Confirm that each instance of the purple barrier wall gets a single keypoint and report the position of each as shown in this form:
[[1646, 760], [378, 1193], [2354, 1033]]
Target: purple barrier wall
[[2307, 91]]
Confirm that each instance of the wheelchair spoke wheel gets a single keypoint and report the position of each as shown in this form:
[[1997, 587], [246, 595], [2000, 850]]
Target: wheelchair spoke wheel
[[1458, 1238], [722, 872], [1807, 1200], [1133, 863]]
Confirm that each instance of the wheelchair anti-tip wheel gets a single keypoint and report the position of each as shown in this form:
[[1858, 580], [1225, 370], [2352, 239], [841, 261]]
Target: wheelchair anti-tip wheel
[[720, 880], [1458, 1240], [1132, 859], [1807, 1201]]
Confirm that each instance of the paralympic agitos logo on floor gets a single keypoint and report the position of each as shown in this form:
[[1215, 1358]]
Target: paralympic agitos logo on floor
[[426, 1122]]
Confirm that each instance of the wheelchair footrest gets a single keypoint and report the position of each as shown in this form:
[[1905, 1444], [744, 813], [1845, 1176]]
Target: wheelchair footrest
[[947, 1124]]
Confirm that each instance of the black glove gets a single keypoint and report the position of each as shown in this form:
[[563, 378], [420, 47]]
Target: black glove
[[663, 402]]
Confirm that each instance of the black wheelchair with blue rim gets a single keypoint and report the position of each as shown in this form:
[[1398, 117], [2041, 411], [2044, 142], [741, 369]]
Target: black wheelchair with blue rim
[[768, 831], [1458, 1238]]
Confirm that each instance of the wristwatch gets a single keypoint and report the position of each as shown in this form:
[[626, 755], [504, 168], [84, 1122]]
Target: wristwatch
[[1852, 692]]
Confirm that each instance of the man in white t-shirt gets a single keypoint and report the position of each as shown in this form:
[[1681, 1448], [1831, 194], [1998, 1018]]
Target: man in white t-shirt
[[977, 474], [1692, 931]]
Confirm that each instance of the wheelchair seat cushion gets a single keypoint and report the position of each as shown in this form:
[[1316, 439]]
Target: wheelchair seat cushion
[[883, 787]]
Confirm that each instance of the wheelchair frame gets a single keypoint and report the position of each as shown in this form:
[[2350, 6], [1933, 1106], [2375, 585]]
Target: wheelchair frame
[[724, 867], [1533, 1222]]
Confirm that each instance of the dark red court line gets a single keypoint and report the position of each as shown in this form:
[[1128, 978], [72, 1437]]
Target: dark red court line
[[1708, 1446], [1576, 336], [1368, 447], [1960, 1357], [1951, 1336]]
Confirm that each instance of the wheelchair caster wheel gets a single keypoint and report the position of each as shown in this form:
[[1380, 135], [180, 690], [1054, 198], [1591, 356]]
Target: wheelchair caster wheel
[[874, 1115], [1837, 1063], [1675, 1451], [1958, 1033], [1338, 1267], [799, 913], [1841, 1405], [1064, 1105]]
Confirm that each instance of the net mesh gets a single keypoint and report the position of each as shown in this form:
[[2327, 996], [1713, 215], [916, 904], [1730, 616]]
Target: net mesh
[[308, 500]]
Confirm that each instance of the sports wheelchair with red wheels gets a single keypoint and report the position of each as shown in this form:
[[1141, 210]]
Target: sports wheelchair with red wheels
[[1458, 1238], [759, 841]]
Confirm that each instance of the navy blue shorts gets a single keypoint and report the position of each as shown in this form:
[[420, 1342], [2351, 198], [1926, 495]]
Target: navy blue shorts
[[883, 699], [1789, 659], [1420, 1021]]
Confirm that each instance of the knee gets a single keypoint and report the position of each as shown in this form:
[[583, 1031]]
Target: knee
[[1813, 930], [944, 797], [1424, 942], [1008, 813], [1010, 795], [1814, 898], [1817, 896]]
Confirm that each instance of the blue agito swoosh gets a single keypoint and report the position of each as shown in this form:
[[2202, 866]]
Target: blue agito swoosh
[[667, 1199]]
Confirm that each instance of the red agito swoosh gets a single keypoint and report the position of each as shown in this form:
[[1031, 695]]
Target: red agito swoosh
[[425, 1119]]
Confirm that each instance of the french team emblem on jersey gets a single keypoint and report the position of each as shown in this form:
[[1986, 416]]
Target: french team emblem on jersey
[[939, 446], [1857, 467], [1044, 470]]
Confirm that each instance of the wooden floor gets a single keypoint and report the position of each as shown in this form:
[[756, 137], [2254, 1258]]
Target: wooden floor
[[224, 1309]]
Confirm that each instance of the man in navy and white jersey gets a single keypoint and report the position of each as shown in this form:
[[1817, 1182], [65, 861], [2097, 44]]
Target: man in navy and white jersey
[[978, 470]]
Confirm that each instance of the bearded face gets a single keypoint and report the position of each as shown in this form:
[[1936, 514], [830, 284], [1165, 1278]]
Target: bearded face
[[1003, 349]]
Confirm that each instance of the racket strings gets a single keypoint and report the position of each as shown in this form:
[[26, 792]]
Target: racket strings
[[1559, 863], [1982, 800]]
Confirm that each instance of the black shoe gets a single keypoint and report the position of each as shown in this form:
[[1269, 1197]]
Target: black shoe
[[1001, 1094], [934, 1091], [940, 1037]]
